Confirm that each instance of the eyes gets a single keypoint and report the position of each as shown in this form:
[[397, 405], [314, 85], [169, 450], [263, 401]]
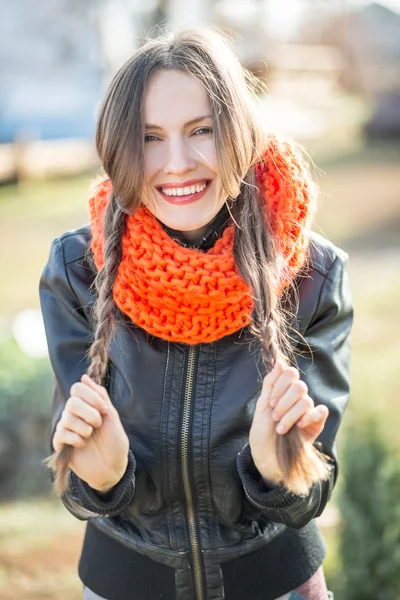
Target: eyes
[[201, 131]]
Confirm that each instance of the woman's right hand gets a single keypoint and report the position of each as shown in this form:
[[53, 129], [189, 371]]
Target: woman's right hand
[[91, 424]]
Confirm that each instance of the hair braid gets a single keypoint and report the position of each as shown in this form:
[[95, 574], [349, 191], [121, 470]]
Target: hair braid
[[260, 263], [104, 320]]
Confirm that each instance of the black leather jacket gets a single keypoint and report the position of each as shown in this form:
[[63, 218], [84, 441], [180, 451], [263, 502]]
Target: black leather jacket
[[191, 497]]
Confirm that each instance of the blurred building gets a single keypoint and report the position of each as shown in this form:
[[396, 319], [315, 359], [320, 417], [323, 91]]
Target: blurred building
[[50, 73], [311, 72], [58, 55], [368, 38]]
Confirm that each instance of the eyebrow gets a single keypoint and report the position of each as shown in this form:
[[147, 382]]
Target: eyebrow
[[191, 122]]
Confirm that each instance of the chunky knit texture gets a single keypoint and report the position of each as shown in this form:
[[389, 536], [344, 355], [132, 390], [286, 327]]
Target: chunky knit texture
[[186, 295]]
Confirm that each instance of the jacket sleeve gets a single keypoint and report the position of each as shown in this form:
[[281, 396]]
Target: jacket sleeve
[[69, 336], [326, 373]]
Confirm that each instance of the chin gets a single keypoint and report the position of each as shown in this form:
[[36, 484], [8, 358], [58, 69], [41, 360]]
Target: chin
[[184, 227]]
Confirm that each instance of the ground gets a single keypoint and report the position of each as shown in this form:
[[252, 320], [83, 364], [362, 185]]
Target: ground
[[36, 564]]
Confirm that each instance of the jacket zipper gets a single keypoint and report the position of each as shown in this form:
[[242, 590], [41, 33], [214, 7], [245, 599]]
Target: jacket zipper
[[191, 516]]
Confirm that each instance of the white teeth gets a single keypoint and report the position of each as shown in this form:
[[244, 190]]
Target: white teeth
[[184, 191]]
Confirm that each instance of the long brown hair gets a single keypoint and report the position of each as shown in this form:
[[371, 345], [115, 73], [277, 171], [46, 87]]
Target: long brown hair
[[240, 140]]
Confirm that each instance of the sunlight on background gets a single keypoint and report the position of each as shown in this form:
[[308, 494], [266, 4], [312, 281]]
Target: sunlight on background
[[28, 330]]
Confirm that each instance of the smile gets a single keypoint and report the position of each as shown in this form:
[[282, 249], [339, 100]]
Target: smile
[[184, 195]]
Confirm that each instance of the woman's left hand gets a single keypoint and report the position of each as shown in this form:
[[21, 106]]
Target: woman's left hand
[[283, 403]]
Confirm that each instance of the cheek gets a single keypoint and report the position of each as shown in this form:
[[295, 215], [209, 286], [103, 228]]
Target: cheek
[[153, 160], [205, 152]]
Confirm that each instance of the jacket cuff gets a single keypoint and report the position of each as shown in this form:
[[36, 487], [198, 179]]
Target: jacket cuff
[[114, 500], [261, 494]]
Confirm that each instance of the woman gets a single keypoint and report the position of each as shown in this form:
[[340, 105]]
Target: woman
[[199, 335]]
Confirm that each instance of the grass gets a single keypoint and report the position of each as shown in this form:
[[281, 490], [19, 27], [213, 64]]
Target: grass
[[31, 215]]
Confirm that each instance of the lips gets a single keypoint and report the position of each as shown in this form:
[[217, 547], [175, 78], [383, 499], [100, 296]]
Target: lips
[[181, 184], [187, 198]]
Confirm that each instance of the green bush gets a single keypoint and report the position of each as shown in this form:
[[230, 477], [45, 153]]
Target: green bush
[[369, 502], [25, 382], [25, 409]]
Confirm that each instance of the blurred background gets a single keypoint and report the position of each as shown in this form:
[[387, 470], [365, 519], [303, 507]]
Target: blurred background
[[332, 70]]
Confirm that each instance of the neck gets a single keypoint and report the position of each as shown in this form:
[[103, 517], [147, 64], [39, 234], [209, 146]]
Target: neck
[[205, 236], [194, 236]]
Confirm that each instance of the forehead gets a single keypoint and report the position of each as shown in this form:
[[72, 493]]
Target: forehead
[[174, 97]]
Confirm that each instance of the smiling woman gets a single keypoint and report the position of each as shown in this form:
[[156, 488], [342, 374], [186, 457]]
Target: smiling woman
[[199, 336]]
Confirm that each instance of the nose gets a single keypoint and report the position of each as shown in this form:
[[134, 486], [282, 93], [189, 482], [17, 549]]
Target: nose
[[179, 157]]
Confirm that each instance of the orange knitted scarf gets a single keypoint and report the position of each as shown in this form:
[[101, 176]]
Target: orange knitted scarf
[[183, 294]]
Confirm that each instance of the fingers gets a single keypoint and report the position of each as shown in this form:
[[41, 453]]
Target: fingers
[[294, 392], [73, 423], [302, 406], [76, 424], [268, 384], [287, 378], [98, 389], [89, 394], [319, 413], [64, 436], [84, 411]]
